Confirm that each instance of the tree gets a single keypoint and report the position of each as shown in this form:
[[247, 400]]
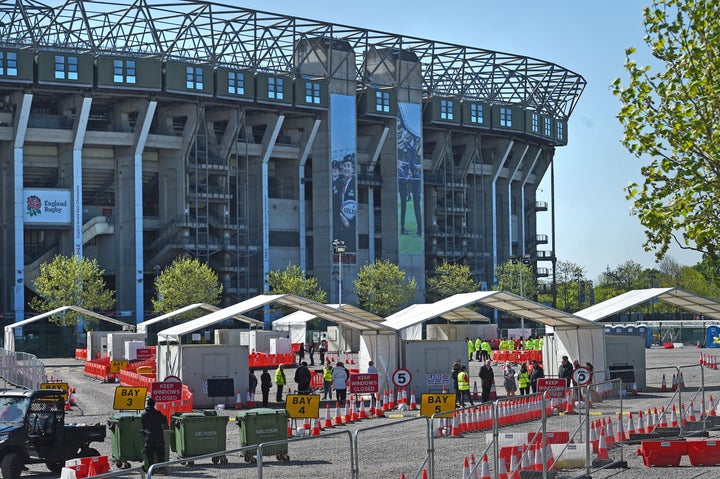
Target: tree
[[71, 281], [670, 118], [293, 280], [625, 277], [184, 282], [570, 278], [511, 275], [382, 288], [449, 279]]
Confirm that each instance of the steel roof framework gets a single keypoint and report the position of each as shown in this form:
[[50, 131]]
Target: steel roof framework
[[225, 35]]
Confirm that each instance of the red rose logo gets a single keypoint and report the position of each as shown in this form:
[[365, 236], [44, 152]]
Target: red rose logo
[[34, 203]]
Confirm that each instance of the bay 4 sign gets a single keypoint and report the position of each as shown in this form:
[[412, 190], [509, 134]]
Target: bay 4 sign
[[363, 383], [166, 391]]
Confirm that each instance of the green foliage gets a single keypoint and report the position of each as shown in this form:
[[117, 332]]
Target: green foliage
[[625, 277], [449, 279], [71, 281], [568, 279], [518, 278], [184, 282], [382, 288], [670, 118], [292, 280]]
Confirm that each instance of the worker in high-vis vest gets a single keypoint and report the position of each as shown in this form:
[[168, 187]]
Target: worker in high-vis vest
[[327, 380], [523, 378], [478, 348], [486, 350], [464, 386], [280, 382], [471, 348]]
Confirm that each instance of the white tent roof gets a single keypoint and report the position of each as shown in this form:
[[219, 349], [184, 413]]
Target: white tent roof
[[299, 317], [500, 300], [677, 297], [142, 327], [10, 335], [340, 316]]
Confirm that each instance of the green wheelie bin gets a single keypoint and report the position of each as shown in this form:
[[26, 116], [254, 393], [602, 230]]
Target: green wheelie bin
[[263, 425], [197, 434], [126, 440]]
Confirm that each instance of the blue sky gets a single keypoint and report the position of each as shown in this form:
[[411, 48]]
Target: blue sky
[[594, 227]]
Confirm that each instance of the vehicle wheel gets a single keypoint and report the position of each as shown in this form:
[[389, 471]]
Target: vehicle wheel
[[191, 463], [89, 452], [54, 466], [12, 466], [118, 464], [215, 460], [224, 460]]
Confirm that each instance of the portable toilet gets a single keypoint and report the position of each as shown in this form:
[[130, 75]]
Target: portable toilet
[[609, 329], [644, 331], [631, 330], [712, 332], [619, 330]]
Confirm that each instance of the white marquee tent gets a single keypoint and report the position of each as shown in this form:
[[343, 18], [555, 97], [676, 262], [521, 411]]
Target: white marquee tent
[[142, 327]]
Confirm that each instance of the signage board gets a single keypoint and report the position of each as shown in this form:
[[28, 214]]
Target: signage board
[[363, 383], [129, 398], [303, 405], [437, 404], [555, 387], [166, 391]]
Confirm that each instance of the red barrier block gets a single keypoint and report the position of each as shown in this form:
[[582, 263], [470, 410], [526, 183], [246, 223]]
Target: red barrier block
[[704, 453], [662, 453]]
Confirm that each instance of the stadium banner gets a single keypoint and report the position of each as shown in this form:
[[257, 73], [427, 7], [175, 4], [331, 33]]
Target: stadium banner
[[343, 148], [47, 206], [410, 181]]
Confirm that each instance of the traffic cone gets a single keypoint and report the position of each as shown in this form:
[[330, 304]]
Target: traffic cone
[[466, 469], [630, 427], [663, 386], [641, 423], [306, 424], [251, 401], [691, 413], [338, 416], [316, 428], [634, 389], [594, 439], [455, 429], [609, 433], [663, 418], [484, 468], [385, 402], [674, 383], [673, 417], [538, 461], [502, 471], [413, 401], [602, 457], [475, 394], [514, 467], [290, 428], [493, 392], [473, 467], [238, 400], [569, 402], [620, 434], [424, 474], [71, 396], [363, 413], [327, 423], [391, 397]]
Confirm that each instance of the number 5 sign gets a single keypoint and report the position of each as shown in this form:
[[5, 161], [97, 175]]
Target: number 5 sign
[[582, 376], [401, 377]]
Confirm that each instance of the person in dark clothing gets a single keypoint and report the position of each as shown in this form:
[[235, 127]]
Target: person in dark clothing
[[536, 373], [454, 377], [322, 349], [487, 378], [153, 423], [311, 352], [301, 352], [565, 370], [265, 385], [302, 378], [252, 382]]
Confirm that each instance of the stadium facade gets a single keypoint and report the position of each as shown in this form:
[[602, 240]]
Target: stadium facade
[[137, 133]]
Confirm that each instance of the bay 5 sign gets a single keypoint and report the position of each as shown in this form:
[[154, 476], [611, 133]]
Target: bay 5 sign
[[363, 383]]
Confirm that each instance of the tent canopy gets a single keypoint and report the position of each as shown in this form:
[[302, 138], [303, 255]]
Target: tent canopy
[[340, 316], [142, 327], [500, 300], [299, 317], [677, 297], [10, 333]]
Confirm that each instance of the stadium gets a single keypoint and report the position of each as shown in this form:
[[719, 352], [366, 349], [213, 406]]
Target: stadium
[[138, 132]]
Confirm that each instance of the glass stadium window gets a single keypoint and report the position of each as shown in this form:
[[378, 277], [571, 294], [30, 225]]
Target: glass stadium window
[[236, 83], [534, 119], [382, 101], [548, 129], [312, 92], [446, 110], [505, 117], [560, 131], [275, 88], [8, 64], [476, 113], [66, 68], [124, 71], [194, 78]]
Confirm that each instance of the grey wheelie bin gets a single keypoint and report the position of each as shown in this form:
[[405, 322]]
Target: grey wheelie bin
[[263, 425], [197, 434], [126, 440]]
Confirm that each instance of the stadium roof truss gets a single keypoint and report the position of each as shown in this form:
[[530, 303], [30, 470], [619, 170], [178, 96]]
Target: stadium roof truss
[[224, 35]]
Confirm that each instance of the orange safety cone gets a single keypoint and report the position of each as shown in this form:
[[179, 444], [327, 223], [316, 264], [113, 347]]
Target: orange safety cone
[[691, 413], [493, 391], [466, 469], [673, 417], [306, 424], [569, 402], [514, 467], [386, 401], [363, 412], [413, 401], [502, 471], [609, 433], [391, 399], [630, 427], [290, 428], [641, 423], [594, 439], [402, 475], [663, 418], [602, 451], [681, 380], [327, 423], [549, 459], [338, 416], [674, 383], [424, 474], [71, 396], [475, 394], [663, 386], [538, 461], [619, 434], [455, 429], [316, 428], [484, 468], [238, 400]]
